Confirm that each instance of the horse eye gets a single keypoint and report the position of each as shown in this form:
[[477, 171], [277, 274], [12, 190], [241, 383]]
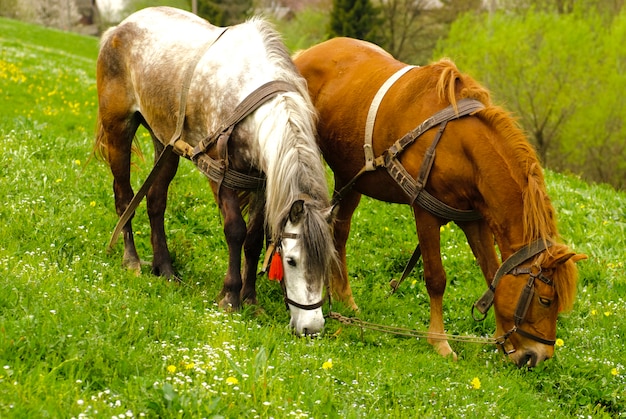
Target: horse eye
[[545, 301], [291, 262]]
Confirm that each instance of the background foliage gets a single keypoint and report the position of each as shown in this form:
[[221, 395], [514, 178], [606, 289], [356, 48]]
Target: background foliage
[[559, 66], [562, 74], [80, 337]]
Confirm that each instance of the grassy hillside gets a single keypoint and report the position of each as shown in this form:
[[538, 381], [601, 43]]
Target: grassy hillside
[[81, 337]]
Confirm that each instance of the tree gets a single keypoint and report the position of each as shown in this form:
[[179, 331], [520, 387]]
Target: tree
[[353, 18], [61, 14], [410, 29], [562, 74], [225, 12]]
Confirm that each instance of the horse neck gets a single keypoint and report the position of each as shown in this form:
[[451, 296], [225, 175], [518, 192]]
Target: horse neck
[[290, 157], [514, 198]]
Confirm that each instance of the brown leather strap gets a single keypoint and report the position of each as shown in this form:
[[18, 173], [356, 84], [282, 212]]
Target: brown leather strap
[[373, 111], [532, 249], [417, 253], [245, 108], [415, 190]]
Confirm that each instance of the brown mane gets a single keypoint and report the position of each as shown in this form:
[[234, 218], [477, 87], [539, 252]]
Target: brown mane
[[539, 218], [539, 215]]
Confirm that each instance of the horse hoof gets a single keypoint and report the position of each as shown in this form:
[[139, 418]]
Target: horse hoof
[[443, 348], [228, 305], [352, 305], [250, 301], [133, 266]]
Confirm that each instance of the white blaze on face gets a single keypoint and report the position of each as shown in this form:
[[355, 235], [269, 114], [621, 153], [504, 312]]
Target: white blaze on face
[[303, 322]]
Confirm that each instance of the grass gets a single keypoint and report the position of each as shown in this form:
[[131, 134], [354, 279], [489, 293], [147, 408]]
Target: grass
[[81, 337]]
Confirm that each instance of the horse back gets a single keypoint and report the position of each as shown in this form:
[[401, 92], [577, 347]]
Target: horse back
[[141, 66], [344, 75]]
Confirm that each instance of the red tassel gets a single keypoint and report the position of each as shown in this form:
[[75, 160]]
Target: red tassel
[[276, 267]]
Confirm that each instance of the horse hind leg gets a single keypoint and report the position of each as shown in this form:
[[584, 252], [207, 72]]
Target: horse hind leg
[[156, 200], [115, 135]]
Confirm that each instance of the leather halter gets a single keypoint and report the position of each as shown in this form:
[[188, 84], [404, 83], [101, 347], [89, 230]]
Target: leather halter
[[511, 266], [273, 248]]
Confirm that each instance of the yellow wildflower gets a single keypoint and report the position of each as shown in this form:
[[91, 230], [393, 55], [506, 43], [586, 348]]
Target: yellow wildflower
[[189, 366], [475, 383], [232, 381], [92, 204], [171, 369], [614, 371], [559, 342], [77, 162], [328, 364]]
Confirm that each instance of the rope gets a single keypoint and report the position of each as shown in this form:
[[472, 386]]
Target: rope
[[401, 331]]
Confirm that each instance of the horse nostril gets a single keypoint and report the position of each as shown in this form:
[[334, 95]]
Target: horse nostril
[[529, 359]]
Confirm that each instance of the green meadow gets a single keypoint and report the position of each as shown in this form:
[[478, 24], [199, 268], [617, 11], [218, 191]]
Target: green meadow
[[80, 337]]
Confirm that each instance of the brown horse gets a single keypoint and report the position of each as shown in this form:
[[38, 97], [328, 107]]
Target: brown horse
[[161, 61], [483, 163]]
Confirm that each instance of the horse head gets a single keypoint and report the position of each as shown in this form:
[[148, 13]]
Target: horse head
[[306, 262], [527, 307]]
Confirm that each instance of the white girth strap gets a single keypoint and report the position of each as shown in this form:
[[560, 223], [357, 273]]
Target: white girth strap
[[371, 115]]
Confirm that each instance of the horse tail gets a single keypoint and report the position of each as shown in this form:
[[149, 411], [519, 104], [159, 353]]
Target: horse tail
[[100, 147], [453, 85]]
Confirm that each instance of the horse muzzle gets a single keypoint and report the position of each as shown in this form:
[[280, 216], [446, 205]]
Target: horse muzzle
[[528, 358], [306, 322]]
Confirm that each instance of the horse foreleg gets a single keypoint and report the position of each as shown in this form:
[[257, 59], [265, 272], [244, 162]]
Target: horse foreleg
[[252, 248], [435, 278], [481, 240], [340, 283], [235, 233], [156, 200]]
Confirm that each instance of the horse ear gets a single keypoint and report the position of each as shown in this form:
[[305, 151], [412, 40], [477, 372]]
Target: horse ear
[[331, 213], [561, 259], [296, 212]]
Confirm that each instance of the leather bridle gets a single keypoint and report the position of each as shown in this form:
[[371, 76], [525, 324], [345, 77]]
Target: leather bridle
[[511, 267], [276, 247]]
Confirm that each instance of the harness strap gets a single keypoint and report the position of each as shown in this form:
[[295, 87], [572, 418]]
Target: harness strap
[[214, 169], [167, 150], [245, 108], [373, 111], [417, 253], [414, 189], [485, 302], [524, 301], [539, 339], [465, 106], [397, 171]]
